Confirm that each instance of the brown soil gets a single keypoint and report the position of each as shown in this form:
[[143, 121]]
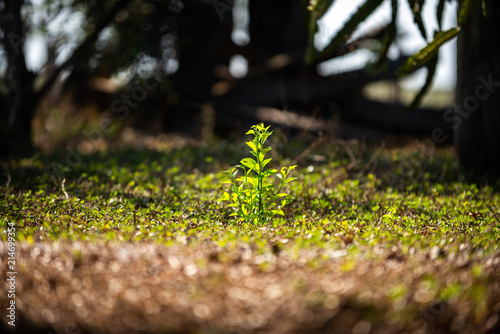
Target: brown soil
[[149, 288]]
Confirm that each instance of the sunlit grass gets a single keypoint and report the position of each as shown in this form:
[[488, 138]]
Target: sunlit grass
[[157, 193]]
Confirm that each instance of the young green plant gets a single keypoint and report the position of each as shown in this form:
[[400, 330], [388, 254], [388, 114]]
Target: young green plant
[[255, 197]]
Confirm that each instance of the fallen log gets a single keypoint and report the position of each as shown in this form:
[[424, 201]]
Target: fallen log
[[394, 118], [360, 118], [235, 116]]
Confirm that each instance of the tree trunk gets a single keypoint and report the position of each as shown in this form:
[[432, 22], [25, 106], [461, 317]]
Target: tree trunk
[[477, 109], [204, 37], [276, 27], [18, 103]]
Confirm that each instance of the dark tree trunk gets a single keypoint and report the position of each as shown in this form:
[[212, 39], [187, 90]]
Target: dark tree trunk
[[278, 42], [477, 109], [18, 103], [204, 38], [276, 27]]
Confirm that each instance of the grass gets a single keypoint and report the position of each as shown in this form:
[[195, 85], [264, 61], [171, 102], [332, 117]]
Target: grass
[[374, 239]]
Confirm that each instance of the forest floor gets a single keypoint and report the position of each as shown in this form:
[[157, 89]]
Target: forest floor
[[374, 240]]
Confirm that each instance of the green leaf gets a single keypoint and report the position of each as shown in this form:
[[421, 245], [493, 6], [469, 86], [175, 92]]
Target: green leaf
[[486, 8], [253, 181], [269, 172], [261, 129], [429, 51], [250, 163], [234, 172], [265, 162], [263, 138], [261, 156], [431, 71], [465, 10], [345, 33], [252, 145]]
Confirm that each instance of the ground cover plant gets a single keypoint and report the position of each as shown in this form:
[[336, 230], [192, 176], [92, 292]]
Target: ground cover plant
[[373, 240]]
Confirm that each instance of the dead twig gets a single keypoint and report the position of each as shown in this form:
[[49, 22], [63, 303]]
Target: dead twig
[[64, 189]]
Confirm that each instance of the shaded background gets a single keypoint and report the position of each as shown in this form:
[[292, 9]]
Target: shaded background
[[99, 71]]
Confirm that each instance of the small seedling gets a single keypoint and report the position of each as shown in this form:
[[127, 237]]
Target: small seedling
[[255, 197]]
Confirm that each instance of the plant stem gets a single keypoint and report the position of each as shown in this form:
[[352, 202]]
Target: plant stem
[[259, 185]]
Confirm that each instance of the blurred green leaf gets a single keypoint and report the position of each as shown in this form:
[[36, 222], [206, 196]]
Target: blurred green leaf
[[486, 8], [464, 12], [431, 71], [345, 33], [429, 51]]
